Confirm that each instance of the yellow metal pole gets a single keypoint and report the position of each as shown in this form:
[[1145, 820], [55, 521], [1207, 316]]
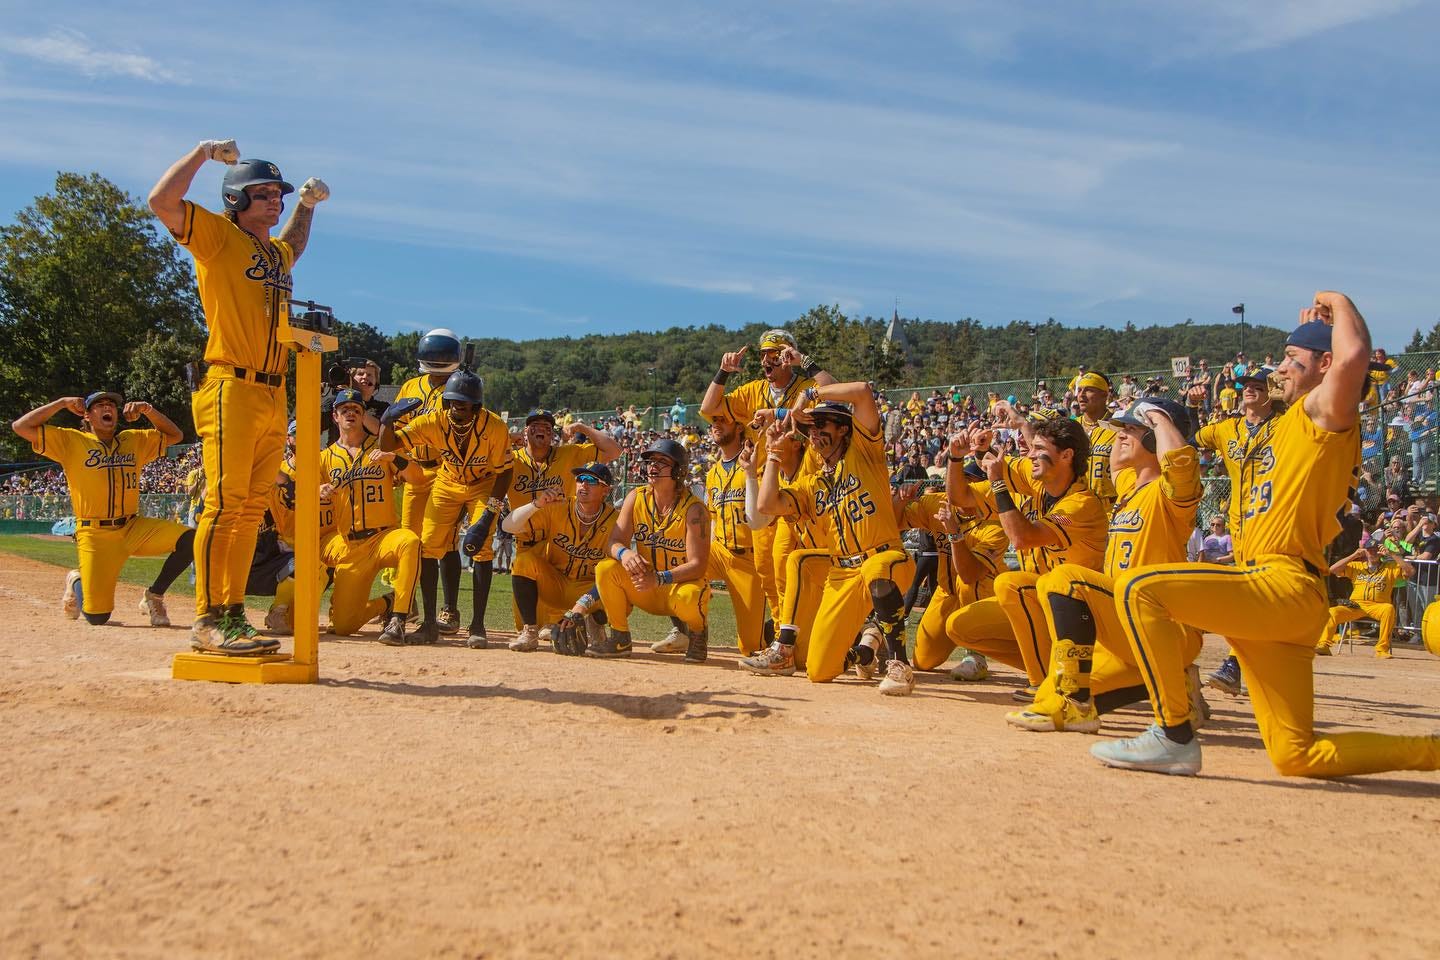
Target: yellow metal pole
[[307, 506]]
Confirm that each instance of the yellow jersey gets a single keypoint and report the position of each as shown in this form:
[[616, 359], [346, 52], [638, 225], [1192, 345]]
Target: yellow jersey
[[104, 478], [428, 393], [553, 473], [984, 538], [1373, 585], [852, 498], [1151, 524], [1229, 399], [364, 496], [1077, 517], [725, 498], [571, 545], [1233, 439], [742, 402], [244, 289], [478, 455], [282, 506], [660, 537], [1293, 487], [1097, 476]]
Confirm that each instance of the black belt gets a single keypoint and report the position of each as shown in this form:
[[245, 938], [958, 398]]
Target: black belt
[[737, 551], [255, 376], [427, 464], [355, 535], [117, 522], [1310, 568], [849, 563]]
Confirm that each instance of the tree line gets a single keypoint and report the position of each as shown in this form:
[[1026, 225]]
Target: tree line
[[94, 294]]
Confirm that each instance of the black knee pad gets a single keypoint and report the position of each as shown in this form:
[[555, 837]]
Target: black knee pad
[[97, 619], [598, 616], [1073, 620], [886, 599]]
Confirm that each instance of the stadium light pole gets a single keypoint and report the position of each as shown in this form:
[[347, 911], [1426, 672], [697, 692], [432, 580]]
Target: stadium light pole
[[1240, 309], [654, 385], [1035, 354]]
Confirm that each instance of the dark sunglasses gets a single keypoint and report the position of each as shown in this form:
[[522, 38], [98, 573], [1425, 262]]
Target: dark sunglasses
[[589, 481]]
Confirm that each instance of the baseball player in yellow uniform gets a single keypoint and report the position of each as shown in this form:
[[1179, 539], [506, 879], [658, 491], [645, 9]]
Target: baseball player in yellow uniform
[[541, 464], [1235, 439], [240, 410], [850, 495], [474, 475], [659, 553], [102, 468], [438, 354], [1373, 576], [280, 617], [360, 480], [1092, 668], [786, 373], [732, 549], [1056, 518], [1093, 392], [570, 535], [1272, 604]]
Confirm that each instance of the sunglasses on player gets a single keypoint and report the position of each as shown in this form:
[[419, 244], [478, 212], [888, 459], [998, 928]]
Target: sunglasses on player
[[589, 481]]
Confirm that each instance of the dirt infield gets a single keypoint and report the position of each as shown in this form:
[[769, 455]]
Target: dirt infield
[[458, 803]]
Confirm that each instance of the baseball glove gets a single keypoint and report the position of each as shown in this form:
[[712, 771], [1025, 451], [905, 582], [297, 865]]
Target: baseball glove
[[478, 535], [401, 408], [568, 636]]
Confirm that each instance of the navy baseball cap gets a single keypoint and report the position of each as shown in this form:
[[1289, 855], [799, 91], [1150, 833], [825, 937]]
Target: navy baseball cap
[[348, 396], [1314, 335], [1261, 376], [595, 469], [539, 414], [291, 429], [99, 395]]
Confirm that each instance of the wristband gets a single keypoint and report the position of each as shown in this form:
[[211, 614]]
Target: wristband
[[621, 554], [810, 394], [773, 457], [721, 376], [808, 367], [1003, 503], [588, 598], [400, 462], [664, 578], [781, 413]]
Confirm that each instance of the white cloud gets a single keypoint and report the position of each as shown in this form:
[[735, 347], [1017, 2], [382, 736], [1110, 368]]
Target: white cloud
[[73, 50]]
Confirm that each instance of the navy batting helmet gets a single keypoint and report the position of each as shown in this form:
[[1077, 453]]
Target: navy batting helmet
[[669, 449], [439, 352], [249, 173], [465, 387]]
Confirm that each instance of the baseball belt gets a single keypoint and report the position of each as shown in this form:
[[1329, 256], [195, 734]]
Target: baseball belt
[[853, 561], [254, 376], [117, 522], [357, 535]]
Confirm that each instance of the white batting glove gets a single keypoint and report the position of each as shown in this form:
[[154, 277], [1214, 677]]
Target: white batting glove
[[312, 191], [1148, 412], [223, 150]]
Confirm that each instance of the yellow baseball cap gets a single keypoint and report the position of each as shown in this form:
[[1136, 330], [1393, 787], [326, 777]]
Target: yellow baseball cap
[[777, 340]]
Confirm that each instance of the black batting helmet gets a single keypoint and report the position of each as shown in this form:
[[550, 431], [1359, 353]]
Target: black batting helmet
[[249, 173], [465, 387], [438, 352], [669, 449]]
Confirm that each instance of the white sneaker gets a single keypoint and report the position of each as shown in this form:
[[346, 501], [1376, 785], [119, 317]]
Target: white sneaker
[[971, 668], [69, 601], [899, 679], [277, 619], [527, 640], [153, 606], [676, 641]]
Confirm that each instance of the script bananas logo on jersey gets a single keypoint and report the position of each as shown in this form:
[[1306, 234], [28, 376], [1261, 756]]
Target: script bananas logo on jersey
[[827, 498], [359, 471], [578, 549], [101, 459], [1125, 521], [1263, 459], [719, 497], [644, 534], [457, 461], [532, 483]]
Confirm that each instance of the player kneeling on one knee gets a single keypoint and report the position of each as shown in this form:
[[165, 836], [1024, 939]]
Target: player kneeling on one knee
[[102, 468]]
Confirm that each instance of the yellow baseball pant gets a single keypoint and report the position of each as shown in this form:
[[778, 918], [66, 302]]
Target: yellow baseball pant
[[1382, 613], [983, 627], [103, 551], [844, 605], [558, 592], [447, 503], [1018, 597], [242, 425], [357, 563], [763, 540], [933, 645], [1271, 609], [805, 573], [413, 499], [747, 593], [688, 602], [1113, 665]]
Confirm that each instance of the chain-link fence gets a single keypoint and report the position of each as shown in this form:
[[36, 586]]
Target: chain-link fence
[[56, 506]]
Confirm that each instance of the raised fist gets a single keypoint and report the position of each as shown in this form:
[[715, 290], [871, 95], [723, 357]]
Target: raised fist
[[312, 191], [223, 150]]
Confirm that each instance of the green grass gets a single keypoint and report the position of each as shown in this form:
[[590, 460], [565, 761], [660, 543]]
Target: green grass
[[141, 571]]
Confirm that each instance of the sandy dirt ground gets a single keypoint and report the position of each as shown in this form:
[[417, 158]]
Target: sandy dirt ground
[[455, 803]]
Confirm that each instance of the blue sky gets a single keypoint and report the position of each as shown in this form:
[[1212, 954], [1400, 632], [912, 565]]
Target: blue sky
[[562, 167]]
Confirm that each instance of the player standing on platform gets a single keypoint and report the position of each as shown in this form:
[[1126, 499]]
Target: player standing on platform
[[240, 410], [102, 469], [786, 373], [1272, 604], [438, 354], [360, 481], [659, 553]]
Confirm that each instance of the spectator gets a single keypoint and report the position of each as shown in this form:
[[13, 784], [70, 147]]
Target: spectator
[[1218, 547]]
